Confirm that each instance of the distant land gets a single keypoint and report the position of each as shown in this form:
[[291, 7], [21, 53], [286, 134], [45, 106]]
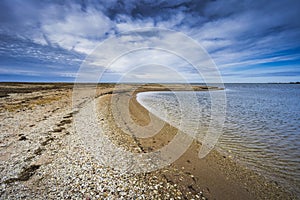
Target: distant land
[[285, 83]]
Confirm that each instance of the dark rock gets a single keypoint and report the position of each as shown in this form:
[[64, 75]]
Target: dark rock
[[25, 174], [23, 137], [38, 151], [47, 141]]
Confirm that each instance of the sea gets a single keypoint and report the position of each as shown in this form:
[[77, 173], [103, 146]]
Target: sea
[[261, 128]]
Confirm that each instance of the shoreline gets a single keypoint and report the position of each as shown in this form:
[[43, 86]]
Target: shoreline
[[42, 156], [217, 175]]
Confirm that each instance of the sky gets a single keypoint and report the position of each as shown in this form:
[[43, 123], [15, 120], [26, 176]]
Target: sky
[[249, 41]]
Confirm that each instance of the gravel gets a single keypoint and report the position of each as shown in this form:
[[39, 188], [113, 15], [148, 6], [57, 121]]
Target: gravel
[[41, 157]]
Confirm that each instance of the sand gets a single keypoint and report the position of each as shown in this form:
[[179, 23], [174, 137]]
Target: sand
[[43, 157]]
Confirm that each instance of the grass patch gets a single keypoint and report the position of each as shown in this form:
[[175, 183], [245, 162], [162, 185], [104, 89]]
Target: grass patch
[[31, 103]]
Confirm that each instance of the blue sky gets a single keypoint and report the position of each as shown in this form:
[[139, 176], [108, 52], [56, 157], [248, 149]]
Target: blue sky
[[249, 41]]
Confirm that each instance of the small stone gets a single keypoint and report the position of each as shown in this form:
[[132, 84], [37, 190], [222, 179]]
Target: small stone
[[22, 138], [123, 193]]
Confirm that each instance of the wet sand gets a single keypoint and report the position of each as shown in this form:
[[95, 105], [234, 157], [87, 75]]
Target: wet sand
[[42, 157]]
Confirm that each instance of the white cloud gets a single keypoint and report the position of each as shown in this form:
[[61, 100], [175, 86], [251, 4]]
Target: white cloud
[[126, 23], [146, 49], [78, 30]]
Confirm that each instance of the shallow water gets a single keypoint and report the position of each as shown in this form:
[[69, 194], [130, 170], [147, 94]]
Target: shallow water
[[261, 129]]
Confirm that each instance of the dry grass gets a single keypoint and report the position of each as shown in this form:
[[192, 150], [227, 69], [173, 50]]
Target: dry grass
[[30, 103]]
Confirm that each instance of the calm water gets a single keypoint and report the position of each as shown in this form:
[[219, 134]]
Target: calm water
[[261, 130]]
